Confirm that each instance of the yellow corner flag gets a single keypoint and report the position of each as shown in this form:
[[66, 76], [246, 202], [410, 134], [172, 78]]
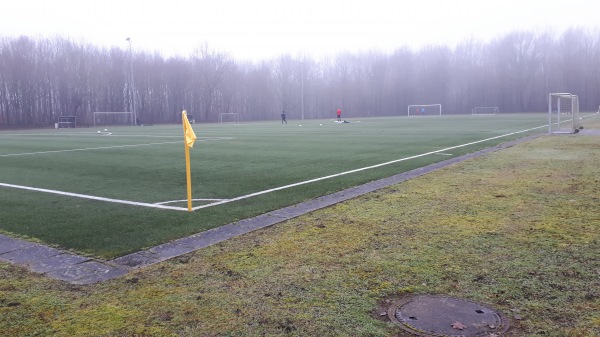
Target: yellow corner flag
[[189, 139], [190, 136]]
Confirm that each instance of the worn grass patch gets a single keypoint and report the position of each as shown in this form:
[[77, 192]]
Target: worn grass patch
[[518, 229]]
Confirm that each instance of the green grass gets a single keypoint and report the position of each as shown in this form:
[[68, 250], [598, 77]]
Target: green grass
[[228, 161], [518, 229]]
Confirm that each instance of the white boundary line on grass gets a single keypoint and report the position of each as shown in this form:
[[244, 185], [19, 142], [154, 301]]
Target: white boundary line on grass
[[224, 201], [84, 196], [89, 133], [360, 169], [108, 147], [85, 149]]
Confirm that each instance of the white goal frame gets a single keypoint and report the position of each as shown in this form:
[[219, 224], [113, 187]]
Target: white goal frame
[[563, 113], [66, 122], [485, 110], [410, 107], [114, 113], [236, 117]]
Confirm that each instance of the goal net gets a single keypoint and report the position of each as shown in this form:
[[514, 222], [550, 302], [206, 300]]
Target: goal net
[[485, 110], [66, 122], [229, 117], [563, 113], [425, 110], [113, 118]]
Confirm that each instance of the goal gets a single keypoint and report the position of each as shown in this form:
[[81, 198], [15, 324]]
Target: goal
[[229, 117], [485, 110], [425, 110], [113, 118], [563, 113], [66, 122]]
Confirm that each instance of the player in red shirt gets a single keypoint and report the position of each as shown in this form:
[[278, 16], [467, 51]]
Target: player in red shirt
[[339, 115]]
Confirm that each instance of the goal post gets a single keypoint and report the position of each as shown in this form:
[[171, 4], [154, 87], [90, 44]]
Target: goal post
[[113, 118], [229, 117], [485, 110], [563, 113], [66, 122], [425, 110]]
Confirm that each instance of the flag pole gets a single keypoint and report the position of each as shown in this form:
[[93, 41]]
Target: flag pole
[[188, 176], [188, 139]]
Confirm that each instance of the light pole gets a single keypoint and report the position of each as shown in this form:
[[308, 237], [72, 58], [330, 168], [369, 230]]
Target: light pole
[[132, 84], [302, 90]]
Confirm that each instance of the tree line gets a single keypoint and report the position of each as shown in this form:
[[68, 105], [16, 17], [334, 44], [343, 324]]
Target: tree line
[[43, 78]]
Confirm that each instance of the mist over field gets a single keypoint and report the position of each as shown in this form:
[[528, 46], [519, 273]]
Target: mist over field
[[43, 78]]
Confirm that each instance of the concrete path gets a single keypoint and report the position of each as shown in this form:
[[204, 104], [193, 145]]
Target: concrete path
[[56, 263], [77, 269]]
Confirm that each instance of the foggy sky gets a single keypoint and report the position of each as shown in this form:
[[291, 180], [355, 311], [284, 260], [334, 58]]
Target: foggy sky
[[263, 29]]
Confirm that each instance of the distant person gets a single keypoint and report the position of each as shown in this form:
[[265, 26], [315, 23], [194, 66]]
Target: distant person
[[283, 117], [339, 115]]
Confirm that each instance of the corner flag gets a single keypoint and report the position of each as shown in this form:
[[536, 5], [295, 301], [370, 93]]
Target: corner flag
[[190, 136], [189, 139]]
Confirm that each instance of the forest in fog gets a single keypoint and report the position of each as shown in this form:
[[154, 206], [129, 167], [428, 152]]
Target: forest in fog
[[43, 78]]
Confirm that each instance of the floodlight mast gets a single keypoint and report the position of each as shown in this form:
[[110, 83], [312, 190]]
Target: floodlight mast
[[132, 84], [302, 92]]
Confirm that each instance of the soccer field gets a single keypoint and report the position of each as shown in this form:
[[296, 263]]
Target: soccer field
[[113, 192]]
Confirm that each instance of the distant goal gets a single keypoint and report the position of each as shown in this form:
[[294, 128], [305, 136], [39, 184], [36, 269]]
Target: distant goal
[[229, 117], [485, 110], [113, 118], [66, 122], [425, 110], [563, 113]]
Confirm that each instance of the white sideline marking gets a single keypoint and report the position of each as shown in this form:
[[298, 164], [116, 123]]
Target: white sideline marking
[[444, 154], [86, 149], [110, 147], [84, 196], [224, 201], [360, 169], [104, 132]]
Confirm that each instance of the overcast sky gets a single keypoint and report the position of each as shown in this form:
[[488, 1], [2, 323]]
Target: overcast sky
[[262, 29]]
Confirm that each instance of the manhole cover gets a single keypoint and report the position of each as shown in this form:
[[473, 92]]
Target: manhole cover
[[442, 316]]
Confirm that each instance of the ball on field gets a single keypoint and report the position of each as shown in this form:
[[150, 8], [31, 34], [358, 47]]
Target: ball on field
[[300, 125], [320, 124], [98, 131], [105, 129]]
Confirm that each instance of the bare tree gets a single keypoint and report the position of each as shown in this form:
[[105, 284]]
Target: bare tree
[[41, 79]]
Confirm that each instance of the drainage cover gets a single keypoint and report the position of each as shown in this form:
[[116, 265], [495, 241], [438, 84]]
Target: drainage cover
[[441, 316]]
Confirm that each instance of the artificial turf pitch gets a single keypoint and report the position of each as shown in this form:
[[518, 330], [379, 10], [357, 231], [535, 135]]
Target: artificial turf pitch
[[146, 165]]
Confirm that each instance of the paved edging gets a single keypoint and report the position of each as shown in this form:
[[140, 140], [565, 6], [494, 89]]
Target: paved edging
[[56, 263], [76, 269]]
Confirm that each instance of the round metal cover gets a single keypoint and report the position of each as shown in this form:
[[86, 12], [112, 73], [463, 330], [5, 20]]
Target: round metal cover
[[441, 316]]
